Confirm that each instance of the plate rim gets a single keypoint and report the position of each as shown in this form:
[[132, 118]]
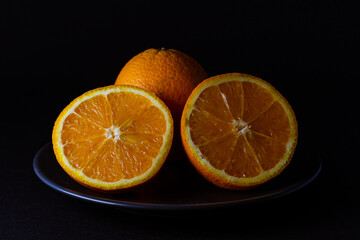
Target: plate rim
[[173, 207]]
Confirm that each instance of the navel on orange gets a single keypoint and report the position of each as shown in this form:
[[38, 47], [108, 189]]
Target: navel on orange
[[113, 137], [238, 131]]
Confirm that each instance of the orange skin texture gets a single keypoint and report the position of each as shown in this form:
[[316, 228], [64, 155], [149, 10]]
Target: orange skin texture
[[169, 73]]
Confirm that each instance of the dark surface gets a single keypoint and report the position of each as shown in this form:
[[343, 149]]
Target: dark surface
[[170, 191], [52, 52]]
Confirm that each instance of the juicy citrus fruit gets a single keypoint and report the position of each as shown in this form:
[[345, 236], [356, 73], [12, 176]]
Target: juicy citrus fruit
[[238, 131], [171, 75], [113, 138], [168, 73]]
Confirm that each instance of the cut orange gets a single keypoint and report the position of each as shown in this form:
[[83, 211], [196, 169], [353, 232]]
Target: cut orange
[[171, 75], [113, 138], [238, 131]]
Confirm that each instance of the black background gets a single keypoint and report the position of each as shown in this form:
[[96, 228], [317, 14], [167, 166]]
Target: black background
[[52, 52]]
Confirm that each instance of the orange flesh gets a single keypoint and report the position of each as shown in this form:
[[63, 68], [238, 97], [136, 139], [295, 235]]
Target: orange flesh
[[239, 128], [113, 137]]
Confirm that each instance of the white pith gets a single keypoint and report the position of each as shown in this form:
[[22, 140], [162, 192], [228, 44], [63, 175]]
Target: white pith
[[114, 133], [241, 128]]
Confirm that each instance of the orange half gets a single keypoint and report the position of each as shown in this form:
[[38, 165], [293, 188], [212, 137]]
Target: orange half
[[113, 137], [238, 131]]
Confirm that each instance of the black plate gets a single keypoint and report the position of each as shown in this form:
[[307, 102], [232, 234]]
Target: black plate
[[178, 186]]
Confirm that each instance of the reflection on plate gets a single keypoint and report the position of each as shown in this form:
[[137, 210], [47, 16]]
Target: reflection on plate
[[178, 186]]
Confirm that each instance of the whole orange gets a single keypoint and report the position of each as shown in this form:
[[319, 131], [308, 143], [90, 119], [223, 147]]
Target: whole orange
[[169, 73]]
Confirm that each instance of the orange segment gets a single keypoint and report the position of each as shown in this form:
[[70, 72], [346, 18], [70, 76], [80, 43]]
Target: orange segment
[[234, 97], [79, 153], [205, 127], [113, 137], [243, 162], [104, 165], [77, 128], [146, 144], [148, 120], [273, 123], [257, 100], [238, 131], [126, 102], [135, 163], [214, 152], [211, 100], [268, 151], [97, 110]]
